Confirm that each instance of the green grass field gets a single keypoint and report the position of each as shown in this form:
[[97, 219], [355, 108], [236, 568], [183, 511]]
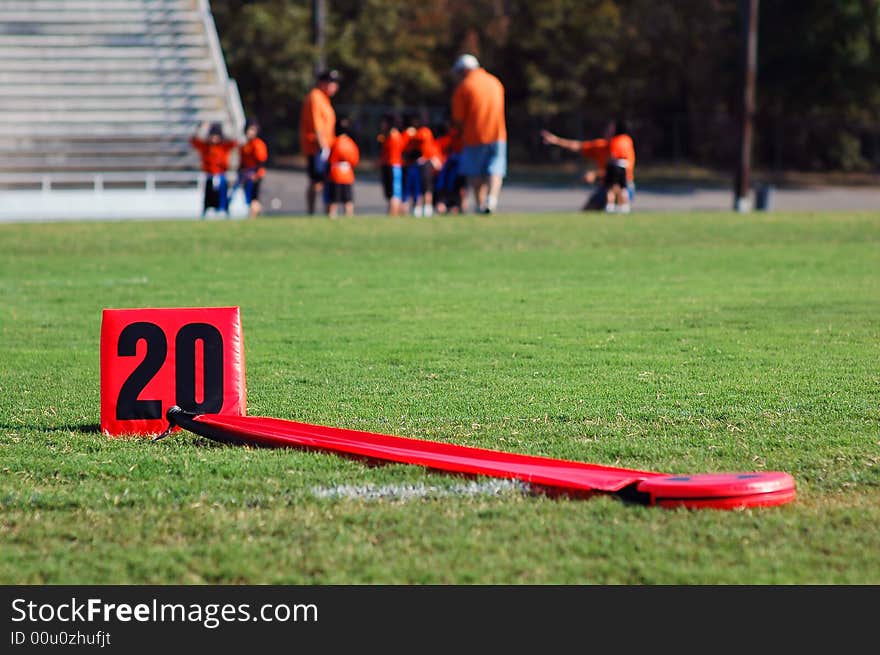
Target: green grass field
[[679, 343]]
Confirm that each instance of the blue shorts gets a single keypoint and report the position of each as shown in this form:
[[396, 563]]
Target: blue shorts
[[484, 159]]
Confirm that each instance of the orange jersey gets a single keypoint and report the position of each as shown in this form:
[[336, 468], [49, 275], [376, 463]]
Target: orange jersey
[[344, 156], [455, 144], [419, 144], [392, 144], [621, 147], [215, 156], [317, 120], [478, 106], [443, 147], [597, 150], [252, 155]]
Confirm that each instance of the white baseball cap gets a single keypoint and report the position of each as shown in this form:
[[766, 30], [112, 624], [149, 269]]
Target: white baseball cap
[[465, 63]]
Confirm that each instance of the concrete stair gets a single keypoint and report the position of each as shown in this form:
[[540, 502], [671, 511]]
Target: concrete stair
[[104, 94]]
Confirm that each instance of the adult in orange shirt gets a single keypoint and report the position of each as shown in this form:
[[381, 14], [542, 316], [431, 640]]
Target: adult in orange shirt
[[214, 152], [344, 157], [317, 125], [478, 111], [391, 145], [252, 156]]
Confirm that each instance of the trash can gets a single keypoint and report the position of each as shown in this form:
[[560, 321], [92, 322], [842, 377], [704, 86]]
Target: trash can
[[764, 197]]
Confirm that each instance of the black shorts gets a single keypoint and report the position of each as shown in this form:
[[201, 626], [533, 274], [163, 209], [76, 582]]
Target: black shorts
[[341, 192], [216, 196], [615, 175], [426, 170], [317, 168]]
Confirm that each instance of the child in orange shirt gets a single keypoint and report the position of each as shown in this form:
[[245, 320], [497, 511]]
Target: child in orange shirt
[[344, 157], [214, 152], [449, 185], [391, 144], [419, 165], [619, 170], [252, 158]]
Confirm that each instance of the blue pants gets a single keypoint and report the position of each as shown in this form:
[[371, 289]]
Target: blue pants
[[412, 182], [446, 176]]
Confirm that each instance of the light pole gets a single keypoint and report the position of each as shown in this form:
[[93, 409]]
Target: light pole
[[749, 17], [319, 16]]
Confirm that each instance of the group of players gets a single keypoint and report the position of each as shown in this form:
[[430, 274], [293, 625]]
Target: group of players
[[423, 170], [214, 150], [420, 166]]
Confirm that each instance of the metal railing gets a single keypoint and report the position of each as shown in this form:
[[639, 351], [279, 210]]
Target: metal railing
[[148, 181]]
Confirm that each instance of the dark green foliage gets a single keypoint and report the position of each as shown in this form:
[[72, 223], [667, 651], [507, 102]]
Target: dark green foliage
[[819, 73], [672, 68]]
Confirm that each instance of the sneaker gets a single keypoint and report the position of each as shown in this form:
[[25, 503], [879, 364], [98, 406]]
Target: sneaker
[[624, 209]]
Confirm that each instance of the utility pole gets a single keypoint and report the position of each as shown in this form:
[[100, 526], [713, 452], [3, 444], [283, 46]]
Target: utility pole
[[749, 20], [319, 16]]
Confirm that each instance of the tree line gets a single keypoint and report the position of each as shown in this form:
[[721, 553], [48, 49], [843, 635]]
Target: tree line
[[673, 70]]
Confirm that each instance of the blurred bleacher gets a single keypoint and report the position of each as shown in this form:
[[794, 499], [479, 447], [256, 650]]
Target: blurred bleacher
[[98, 100]]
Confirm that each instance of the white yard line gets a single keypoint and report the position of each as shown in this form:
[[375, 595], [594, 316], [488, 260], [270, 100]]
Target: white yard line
[[420, 491]]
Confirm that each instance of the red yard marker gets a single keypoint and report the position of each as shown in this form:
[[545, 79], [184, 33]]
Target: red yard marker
[[704, 490]]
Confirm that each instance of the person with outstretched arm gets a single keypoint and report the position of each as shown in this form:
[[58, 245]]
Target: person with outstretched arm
[[599, 151], [596, 152]]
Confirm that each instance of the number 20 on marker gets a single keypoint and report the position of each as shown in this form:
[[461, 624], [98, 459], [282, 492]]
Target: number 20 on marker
[[152, 359]]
